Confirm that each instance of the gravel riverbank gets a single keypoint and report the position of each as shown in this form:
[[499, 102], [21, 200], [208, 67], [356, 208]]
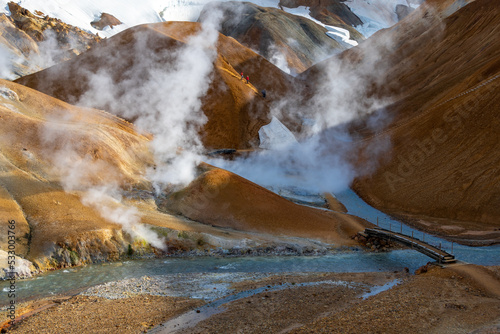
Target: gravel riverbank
[[458, 299]]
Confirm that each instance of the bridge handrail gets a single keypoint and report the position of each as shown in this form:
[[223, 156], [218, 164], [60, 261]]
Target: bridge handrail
[[405, 239]]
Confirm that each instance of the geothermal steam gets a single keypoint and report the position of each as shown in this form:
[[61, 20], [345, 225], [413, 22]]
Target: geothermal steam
[[166, 105]]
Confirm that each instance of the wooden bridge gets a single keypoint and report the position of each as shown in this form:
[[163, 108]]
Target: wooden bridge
[[436, 253]]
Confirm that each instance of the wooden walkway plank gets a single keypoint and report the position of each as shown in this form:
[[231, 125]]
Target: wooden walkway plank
[[433, 252]]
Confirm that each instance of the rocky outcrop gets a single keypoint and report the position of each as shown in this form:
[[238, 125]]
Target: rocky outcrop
[[15, 38], [106, 20], [36, 41], [36, 26], [16, 267], [270, 31], [375, 244], [423, 269]]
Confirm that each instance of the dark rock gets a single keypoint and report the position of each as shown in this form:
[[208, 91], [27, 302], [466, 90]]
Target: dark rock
[[422, 270], [455, 306], [106, 20]]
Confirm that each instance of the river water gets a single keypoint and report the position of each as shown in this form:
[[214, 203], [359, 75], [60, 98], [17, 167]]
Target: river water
[[75, 279]]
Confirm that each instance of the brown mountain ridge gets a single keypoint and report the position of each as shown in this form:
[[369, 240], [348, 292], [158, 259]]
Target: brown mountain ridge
[[442, 172]]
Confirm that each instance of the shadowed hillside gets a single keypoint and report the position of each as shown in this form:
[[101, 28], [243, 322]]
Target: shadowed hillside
[[289, 40], [442, 172]]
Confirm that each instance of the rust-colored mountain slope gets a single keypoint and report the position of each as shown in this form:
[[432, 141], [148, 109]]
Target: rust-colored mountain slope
[[235, 110], [221, 198], [37, 134], [443, 170]]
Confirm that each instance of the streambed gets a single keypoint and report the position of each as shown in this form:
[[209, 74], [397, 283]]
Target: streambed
[[77, 279]]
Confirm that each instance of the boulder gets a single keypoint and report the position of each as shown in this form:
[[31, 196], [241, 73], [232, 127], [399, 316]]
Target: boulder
[[106, 20]]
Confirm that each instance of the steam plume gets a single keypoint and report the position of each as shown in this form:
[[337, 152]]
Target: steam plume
[[167, 104]]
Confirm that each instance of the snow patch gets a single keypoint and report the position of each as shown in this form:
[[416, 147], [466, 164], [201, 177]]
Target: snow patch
[[343, 36]]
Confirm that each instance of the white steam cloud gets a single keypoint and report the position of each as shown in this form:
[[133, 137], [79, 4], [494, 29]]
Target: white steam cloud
[[49, 52], [278, 58], [164, 100], [9, 60]]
